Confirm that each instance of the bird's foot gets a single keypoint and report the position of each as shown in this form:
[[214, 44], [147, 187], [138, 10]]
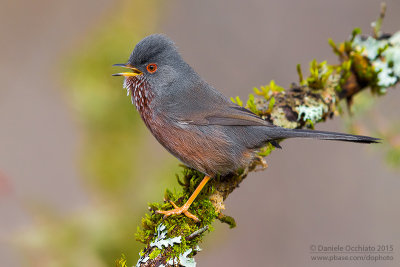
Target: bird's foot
[[177, 211]]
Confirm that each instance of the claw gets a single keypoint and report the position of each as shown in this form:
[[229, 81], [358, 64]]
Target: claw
[[177, 211], [184, 208]]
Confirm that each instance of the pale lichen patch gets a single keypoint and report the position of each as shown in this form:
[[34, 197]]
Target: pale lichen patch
[[312, 113], [183, 260], [160, 240]]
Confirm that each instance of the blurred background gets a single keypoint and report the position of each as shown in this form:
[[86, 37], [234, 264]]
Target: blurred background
[[77, 166]]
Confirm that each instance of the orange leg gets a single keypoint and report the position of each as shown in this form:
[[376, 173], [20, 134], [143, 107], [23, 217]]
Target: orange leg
[[184, 208]]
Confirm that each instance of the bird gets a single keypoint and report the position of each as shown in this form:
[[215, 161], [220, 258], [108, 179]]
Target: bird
[[194, 121]]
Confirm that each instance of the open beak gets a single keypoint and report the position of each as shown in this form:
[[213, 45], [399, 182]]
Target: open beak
[[134, 72]]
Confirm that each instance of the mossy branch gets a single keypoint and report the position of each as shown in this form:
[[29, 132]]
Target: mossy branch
[[365, 62]]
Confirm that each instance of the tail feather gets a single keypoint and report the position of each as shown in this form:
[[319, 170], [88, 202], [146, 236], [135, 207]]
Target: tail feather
[[281, 133]]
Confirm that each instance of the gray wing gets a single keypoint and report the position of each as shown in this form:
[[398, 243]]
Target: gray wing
[[229, 115], [207, 106]]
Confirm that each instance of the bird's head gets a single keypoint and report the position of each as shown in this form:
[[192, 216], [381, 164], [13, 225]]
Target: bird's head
[[155, 65]]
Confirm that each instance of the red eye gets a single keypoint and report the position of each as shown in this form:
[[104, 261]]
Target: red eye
[[152, 67]]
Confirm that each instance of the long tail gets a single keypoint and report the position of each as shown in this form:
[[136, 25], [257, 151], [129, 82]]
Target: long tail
[[281, 133]]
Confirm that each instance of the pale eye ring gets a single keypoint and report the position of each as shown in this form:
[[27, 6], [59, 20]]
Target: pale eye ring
[[151, 68]]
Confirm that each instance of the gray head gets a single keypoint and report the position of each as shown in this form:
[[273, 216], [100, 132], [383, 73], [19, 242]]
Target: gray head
[[156, 60], [156, 48]]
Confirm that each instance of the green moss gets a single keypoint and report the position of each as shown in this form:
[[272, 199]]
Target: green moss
[[228, 220], [319, 74], [154, 253], [121, 262], [300, 73], [365, 72], [268, 90], [237, 101], [265, 151], [251, 105], [179, 225], [344, 71], [334, 47]]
